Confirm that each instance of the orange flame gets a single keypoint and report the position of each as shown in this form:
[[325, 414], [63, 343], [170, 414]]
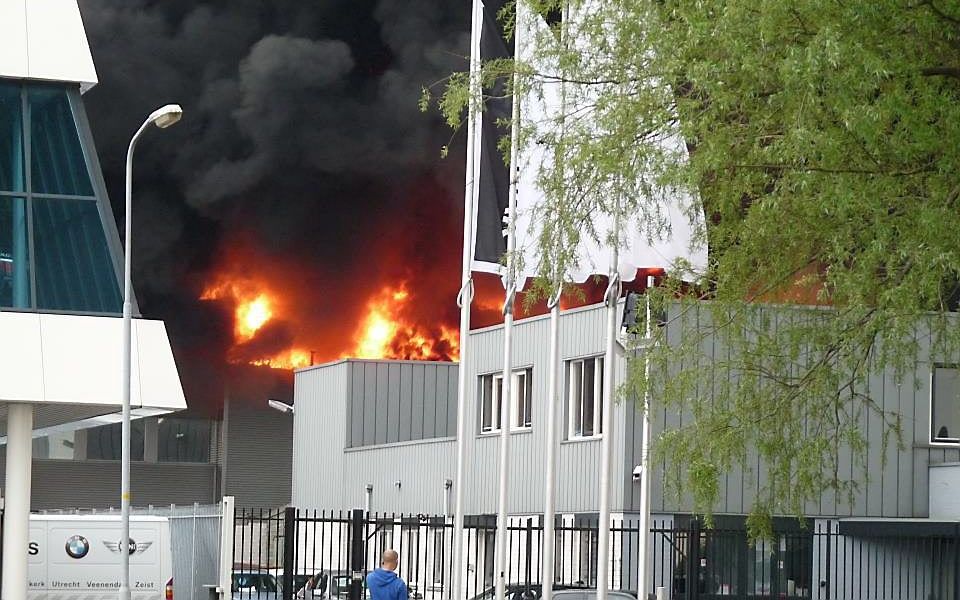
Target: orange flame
[[386, 329], [289, 359], [386, 333], [254, 306]]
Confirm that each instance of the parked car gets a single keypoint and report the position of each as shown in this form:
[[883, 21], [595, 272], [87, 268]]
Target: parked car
[[591, 594], [520, 591], [254, 585]]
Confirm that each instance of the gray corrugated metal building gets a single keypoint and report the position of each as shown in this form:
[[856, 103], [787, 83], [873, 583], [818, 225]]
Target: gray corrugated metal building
[[392, 424]]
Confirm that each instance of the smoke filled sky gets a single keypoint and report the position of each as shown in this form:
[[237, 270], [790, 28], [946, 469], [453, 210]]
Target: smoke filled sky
[[302, 164], [301, 208]]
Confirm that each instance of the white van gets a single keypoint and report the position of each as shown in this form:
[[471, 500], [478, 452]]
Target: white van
[[78, 556]]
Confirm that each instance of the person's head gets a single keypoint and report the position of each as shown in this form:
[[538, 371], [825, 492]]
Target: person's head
[[389, 559]]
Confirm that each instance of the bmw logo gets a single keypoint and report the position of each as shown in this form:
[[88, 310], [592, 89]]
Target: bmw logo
[[77, 546]]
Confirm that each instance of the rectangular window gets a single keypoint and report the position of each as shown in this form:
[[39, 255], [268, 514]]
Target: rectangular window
[[520, 406], [585, 397], [945, 405]]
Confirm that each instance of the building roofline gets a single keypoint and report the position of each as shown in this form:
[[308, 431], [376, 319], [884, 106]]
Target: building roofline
[[390, 361]]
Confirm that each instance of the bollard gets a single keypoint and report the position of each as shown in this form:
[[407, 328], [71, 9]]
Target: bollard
[[661, 593]]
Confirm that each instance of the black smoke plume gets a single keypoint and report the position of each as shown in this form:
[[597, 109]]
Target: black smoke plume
[[301, 138]]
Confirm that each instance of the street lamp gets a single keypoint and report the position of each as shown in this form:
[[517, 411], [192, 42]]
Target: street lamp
[[162, 117], [281, 406]]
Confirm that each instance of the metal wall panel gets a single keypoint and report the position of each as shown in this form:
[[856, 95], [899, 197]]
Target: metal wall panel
[[897, 485], [83, 484], [407, 477], [582, 334], [427, 393], [373, 406], [400, 401], [260, 445], [321, 427], [891, 484]]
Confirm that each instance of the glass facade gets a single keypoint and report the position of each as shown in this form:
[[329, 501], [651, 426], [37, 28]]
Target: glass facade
[[183, 440], [54, 251], [104, 442], [177, 439]]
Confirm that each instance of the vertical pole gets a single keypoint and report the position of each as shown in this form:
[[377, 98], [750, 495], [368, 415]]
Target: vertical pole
[[956, 562], [227, 533], [692, 575], [643, 573], [357, 542], [225, 434], [827, 566], [550, 501], [124, 592], [529, 554], [606, 439], [16, 516], [506, 397], [464, 300], [289, 548], [553, 397], [447, 488]]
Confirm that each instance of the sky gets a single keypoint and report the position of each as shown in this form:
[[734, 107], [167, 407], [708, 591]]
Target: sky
[[302, 165]]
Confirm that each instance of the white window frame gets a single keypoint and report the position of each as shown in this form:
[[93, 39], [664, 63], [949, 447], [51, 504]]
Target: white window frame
[[517, 421], [574, 400], [953, 440]]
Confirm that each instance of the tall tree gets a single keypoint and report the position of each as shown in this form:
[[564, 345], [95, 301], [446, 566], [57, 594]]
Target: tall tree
[[822, 138]]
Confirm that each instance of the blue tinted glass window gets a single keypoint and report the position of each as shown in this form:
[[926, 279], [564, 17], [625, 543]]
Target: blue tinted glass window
[[104, 442], [73, 266], [57, 166], [183, 440], [14, 254], [11, 139]]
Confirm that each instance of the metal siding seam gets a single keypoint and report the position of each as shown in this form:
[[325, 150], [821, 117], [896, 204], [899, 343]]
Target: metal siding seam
[[381, 399]]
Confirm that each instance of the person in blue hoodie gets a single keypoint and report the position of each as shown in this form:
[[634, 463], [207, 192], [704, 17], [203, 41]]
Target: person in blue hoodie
[[384, 583]]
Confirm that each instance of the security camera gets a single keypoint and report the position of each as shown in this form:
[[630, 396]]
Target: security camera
[[637, 472]]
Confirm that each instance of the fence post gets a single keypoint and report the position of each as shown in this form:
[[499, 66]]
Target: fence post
[[956, 563], [357, 543], [289, 545], [529, 552], [828, 567], [227, 532], [693, 559]]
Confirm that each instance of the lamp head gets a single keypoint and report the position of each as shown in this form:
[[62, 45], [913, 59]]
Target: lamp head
[[166, 116], [281, 406]]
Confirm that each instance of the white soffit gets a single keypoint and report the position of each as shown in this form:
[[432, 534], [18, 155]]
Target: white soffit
[[45, 39], [71, 359]]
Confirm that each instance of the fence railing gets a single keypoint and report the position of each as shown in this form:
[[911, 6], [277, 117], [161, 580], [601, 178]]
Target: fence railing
[[322, 554]]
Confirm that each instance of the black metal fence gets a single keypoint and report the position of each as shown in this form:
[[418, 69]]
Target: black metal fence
[[322, 554]]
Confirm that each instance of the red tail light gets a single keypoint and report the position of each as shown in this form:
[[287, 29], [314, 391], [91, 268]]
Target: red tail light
[[168, 591]]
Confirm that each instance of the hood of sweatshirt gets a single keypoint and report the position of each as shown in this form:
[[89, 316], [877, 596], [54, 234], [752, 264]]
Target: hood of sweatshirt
[[382, 579]]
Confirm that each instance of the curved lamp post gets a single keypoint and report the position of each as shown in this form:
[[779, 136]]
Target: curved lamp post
[[162, 117]]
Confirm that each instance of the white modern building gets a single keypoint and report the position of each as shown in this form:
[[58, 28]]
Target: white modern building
[[60, 262]]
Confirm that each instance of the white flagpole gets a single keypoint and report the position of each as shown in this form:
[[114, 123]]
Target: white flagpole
[[642, 572], [550, 502], [553, 399], [612, 296], [464, 300], [510, 282]]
